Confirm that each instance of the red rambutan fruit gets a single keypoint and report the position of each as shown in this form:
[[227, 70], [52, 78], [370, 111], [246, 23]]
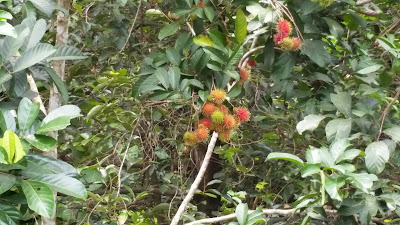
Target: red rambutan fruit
[[205, 122], [283, 26], [223, 109], [230, 122], [296, 44], [201, 133], [208, 109], [242, 114], [225, 135], [201, 4], [244, 75]]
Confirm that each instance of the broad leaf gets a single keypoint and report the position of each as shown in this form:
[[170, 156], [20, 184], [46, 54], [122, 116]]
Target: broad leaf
[[59, 84], [42, 142], [369, 69], [285, 156], [174, 74], [7, 121], [240, 26], [7, 29], [348, 155], [6, 219], [283, 67], [393, 132], [63, 184], [70, 111], [173, 56], [27, 113], [338, 129], [362, 181], [309, 122], [37, 33], [203, 41], [310, 169], [12, 45], [376, 156], [46, 6], [241, 213], [168, 30], [210, 13], [39, 165], [33, 55], [58, 123], [316, 51], [162, 76], [7, 182], [338, 147], [333, 185], [334, 27], [65, 52], [12, 144], [342, 101], [40, 198]]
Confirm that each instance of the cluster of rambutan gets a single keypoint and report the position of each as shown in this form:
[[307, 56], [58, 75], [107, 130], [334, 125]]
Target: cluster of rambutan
[[282, 38], [217, 118]]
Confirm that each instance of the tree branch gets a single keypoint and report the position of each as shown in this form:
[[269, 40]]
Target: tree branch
[[245, 56], [387, 110], [132, 26], [369, 12], [197, 181]]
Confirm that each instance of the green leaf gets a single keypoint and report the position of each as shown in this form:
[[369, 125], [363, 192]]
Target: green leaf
[[338, 147], [210, 13], [39, 165], [42, 142], [196, 83], [65, 52], [58, 123], [333, 185], [162, 76], [33, 56], [269, 53], [285, 156], [7, 121], [59, 84], [283, 67], [235, 56], [348, 155], [7, 29], [63, 184], [12, 45], [393, 132], [342, 101], [27, 113], [338, 129], [240, 26], [241, 213], [4, 76], [235, 91], [334, 27], [7, 182], [369, 69], [6, 219], [37, 33], [173, 56], [309, 122], [12, 144], [168, 30], [232, 73], [376, 156], [174, 74], [11, 211], [203, 41], [46, 6], [316, 51], [70, 111], [5, 15], [310, 169], [362, 181], [40, 198]]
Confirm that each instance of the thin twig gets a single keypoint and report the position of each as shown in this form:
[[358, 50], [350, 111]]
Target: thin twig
[[251, 51], [197, 181], [123, 161], [191, 29], [387, 110], [132, 26]]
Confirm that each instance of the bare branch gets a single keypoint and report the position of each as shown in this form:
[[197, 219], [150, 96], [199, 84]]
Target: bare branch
[[369, 12], [197, 181], [132, 26]]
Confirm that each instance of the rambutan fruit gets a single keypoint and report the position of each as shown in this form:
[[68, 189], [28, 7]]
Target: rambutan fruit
[[230, 122], [251, 63], [219, 128], [217, 96], [208, 109], [201, 4], [207, 123], [296, 44], [278, 38], [242, 114], [217, 117], [190, 138], [225, 135], [284, 27], [223, 109], [244, 75], [286, 44], [201, 133]]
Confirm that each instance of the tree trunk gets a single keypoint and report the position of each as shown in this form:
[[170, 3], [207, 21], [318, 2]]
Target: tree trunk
[[59, 68]]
